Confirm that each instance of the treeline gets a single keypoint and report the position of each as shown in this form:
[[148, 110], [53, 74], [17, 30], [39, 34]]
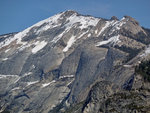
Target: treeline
[[144, 70]]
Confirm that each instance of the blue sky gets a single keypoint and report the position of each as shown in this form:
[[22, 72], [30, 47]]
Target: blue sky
[[16, 15]]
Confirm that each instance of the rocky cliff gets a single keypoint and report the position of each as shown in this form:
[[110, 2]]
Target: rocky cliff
[[73, 63]]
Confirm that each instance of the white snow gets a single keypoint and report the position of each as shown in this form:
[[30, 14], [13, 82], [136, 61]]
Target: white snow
[[107, 24], [6, 42], [15, 77], [122, 18], [127, 66], [70, 82], [82, 35], [5, 76], [114, 24], [96, 31], [17, 37], [146, 53], [61, 77], [4, 59], [74, 19], [89, 35], [72, 41], [33, 66], [66, 76], [47, 84], [31, 83], [52, 19], [5, 36], [16, 88], [20, 35], [25, 45], [48, 26], [27, 74], [38, 46], [84, 21], [55, 39], [51, 22], [117, 25], [113, 40], [7, 50], [69, 43]]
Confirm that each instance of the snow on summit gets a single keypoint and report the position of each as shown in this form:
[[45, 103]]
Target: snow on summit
[[50, 23], [74, 20], [84, 21]]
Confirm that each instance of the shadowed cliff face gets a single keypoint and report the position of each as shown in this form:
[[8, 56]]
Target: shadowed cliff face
[[54, 64]]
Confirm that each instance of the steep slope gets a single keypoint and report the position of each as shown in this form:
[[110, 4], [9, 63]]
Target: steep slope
[[53, 64], [134, 97]]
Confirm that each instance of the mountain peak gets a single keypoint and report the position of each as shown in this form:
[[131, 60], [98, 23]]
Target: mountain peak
[[61, 58], [131, 19], [114, 18], [70, 12]]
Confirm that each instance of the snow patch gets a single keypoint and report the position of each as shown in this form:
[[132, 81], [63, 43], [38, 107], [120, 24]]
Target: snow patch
[[127, 66], [33, 66], [6, 42], [48, 26], [72, 40], [70, 82], [27, 74], [113, 40], [66, 76], [47, 84], [82, 34], [122, 18], [4, 59], [25, 45], [146, 53], [89, 35], [15, 77], [31, 83], [96, 31], [17, 80], [5, 36], [55, 39], [7, 50], [103, 29], [18, 37], [69, 43], [5, 76], [16, 88], [38, 46]]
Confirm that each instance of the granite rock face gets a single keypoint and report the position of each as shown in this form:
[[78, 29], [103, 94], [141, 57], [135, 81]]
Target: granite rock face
[[69, 59]]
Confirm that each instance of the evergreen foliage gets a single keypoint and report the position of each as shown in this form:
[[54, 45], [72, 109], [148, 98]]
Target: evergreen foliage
[[144, 70]]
